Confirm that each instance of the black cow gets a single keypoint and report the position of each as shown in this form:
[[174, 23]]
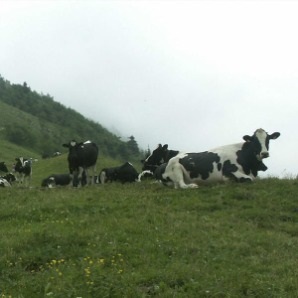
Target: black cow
[[57, 180], [239, 162], [82, 157], [23, 169], [3, 167], [123, 173], [158, 156]]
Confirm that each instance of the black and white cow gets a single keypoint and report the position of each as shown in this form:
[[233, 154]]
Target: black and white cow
[[123, 173], [239, 162], [155, 163], [57, 180], [82, 157], [23, 170], [3, 167], [7, 180]]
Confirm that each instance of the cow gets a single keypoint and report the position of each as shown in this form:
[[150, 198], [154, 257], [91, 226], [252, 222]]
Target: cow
[[7, 179], [239, 162], [81, 157], [156, 161], [23, 169], [123, 173], [57, 180], [3, 167], [4, 183]]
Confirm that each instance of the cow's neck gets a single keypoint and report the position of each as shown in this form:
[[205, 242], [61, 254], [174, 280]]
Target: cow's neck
[[246, 157]]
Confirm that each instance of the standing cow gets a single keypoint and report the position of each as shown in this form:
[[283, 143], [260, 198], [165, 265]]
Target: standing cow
[[23, 170], [239, 162], [82, 157]]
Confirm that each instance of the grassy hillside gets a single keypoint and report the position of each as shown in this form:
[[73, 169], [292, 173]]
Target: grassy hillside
[[143, 240], [36, 121]]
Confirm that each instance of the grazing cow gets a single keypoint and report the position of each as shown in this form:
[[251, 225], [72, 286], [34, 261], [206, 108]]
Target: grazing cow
[[239, 162], [81, 157], [23, 169], [6, 180], [57, 180], [3, 167], [123, 173]]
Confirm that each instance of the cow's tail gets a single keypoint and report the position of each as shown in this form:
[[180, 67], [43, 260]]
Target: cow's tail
[[141, 175]]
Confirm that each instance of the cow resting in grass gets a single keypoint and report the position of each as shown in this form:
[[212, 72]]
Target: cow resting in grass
[[7, 180], [57, 180], [123, 173], [82, 157], [239, 162], [156, 161]]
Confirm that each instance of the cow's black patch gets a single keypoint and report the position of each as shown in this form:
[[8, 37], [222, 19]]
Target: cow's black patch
[[246, 157], [200, 165], [228, 169]]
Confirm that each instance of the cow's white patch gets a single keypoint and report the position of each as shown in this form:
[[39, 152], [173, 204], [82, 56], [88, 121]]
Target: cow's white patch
[[262, 136]]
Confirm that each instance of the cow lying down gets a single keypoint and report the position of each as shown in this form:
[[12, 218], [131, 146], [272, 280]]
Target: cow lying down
[[65, 180], [7, 180], [57, 180], [124, 173], [239, 162]]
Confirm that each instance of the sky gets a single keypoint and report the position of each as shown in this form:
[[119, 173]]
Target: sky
[[191, 74]]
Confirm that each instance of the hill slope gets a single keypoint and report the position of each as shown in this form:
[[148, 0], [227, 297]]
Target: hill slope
[[36, 121]]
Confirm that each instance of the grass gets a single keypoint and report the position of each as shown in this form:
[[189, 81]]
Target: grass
[[143, 240]]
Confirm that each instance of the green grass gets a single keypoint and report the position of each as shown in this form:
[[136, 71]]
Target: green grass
[[143, 240]]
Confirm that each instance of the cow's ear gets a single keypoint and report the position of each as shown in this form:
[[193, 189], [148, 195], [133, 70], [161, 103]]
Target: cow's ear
[[274, 135], [165, 147], [247, 138], [65, 145]]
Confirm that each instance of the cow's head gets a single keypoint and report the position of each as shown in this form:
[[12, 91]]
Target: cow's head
[[259, 142], [156, 158]]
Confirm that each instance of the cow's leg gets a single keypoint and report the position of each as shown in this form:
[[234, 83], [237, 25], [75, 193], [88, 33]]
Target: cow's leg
[[103, 177], [240, 177], [176, 173], [80, 174], [93, 170]]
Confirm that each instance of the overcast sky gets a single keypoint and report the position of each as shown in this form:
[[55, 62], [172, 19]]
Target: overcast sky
[[192, 74]]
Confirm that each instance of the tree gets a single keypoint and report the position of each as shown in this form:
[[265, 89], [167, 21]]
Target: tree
[[133, 146]]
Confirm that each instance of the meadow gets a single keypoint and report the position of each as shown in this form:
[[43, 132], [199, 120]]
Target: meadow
[[147, 240]]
